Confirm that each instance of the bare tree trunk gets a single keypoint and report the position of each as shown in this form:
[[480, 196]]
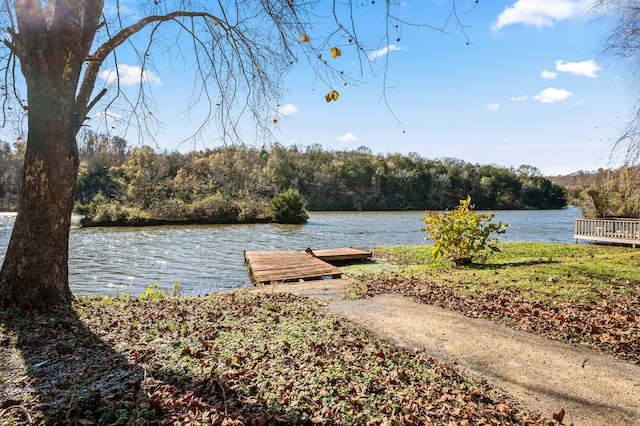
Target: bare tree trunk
[[35, 268]]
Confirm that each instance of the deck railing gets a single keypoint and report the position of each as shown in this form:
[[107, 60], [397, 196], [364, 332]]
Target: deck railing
[[619, 231]]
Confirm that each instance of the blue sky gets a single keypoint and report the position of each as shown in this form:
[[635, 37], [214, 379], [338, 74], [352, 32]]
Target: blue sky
[[531, 87]]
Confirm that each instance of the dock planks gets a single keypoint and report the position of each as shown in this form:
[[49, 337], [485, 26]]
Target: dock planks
[[282, 266], [341, 255]]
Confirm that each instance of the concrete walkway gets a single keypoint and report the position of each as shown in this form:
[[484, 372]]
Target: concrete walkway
[[546, 376]]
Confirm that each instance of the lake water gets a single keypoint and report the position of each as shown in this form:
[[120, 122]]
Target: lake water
[[205, 259]]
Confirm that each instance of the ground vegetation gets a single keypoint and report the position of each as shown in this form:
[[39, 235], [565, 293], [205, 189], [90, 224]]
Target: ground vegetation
[[578, 294], [269, 358], [230, 359]]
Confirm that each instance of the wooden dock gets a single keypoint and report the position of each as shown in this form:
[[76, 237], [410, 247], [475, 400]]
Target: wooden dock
[[608, 231], [286, 266], [341, 255]]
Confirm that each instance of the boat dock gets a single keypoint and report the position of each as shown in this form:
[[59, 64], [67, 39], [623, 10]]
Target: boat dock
[[286, 266], [608, 231]]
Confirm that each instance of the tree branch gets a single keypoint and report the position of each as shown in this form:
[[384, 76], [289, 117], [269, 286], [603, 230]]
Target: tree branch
[[94, 62], [11, 20], [31, 24], [95, 101]]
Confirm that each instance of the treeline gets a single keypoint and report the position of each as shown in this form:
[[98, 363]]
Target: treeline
[[605, 192], [240, 180]]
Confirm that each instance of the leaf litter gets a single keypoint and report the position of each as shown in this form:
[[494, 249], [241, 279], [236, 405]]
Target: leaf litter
[[228, 359], [610, 324]]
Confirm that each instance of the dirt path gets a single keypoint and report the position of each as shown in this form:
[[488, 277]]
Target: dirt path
[[544, 375]]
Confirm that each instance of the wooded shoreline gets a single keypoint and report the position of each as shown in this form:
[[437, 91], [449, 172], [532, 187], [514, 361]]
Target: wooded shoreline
[[121, 222], [160, 183], [150, 222]]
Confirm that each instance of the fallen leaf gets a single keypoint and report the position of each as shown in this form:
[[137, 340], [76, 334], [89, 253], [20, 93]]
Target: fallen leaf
[[559, 416]]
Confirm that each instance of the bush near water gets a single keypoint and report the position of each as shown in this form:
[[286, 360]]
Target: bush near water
[[462, 235], [288, 207]]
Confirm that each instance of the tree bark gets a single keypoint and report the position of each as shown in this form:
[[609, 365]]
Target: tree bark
[[35, 271], [35, 268]]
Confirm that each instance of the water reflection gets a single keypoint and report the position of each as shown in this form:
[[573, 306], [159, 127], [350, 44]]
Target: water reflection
[[204, 259]]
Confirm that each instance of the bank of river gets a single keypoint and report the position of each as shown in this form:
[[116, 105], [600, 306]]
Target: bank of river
[[204, 259]]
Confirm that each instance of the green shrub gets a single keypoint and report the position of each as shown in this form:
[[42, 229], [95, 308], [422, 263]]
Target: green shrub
[[103, 210], [152, 292], [83, 209], [595, 202], [462, 235], [253, 210], [288, 207], [115, 211], [218, 207], [89, 209], [169, 209]]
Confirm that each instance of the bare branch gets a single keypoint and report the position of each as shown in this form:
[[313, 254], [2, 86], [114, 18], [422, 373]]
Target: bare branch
[[95, 61], [624, 43], [96, 99], [10, 14], [241, 49]]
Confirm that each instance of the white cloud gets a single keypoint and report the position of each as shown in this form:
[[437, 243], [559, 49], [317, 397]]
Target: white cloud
[[585, 68], [383, 51], [130, 75], [551, 95], [519, 98], [348, 137], [493, 107], [549, 75], [539, 13], [288, 109]]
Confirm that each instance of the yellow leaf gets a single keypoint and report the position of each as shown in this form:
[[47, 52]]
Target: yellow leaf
[[335, 52], [304, 38], [332, 96]]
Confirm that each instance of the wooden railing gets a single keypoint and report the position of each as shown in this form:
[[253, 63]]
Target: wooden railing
[[619, 231]]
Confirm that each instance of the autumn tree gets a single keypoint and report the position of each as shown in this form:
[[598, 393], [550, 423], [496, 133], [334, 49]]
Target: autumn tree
[[623, 42], [56, 51]]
